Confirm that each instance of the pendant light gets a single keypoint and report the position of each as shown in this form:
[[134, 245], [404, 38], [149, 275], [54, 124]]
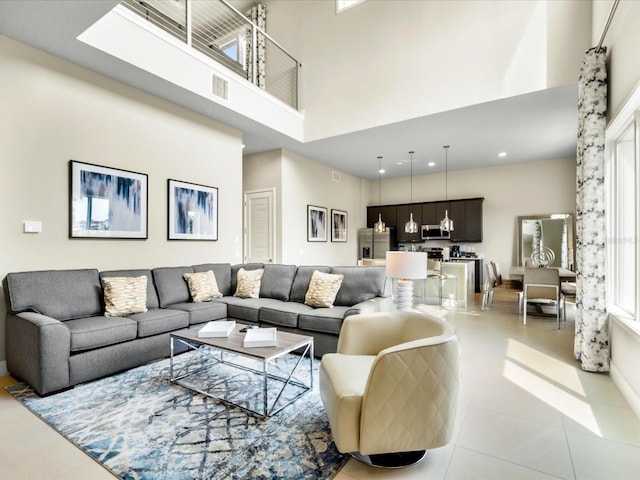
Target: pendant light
[[379, 226], [446, 224], [411, 226]]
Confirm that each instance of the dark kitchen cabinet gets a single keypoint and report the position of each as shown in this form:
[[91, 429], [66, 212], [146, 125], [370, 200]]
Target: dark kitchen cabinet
[[388, 215], [473, 217], [458, 213], [433, 212], [467, 220], [402, 217]]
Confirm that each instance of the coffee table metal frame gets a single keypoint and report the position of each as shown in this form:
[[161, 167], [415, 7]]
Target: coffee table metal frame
[[286, 343]]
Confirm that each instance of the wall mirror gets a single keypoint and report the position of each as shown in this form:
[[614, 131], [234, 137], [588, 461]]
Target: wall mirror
[[554, 231]]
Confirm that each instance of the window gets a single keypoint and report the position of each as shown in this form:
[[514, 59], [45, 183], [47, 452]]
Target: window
[[623, 217], [342, 5]]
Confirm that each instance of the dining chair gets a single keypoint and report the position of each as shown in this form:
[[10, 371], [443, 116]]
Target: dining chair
[[541, 287], [495, 283]]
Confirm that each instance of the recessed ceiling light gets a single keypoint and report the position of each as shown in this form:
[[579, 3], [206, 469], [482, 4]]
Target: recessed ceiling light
[[431, 164], [502, 154], [399, 163], [382, 170]]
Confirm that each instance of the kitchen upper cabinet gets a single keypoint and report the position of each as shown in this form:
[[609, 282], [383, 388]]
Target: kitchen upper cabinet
[[473, 216], [458, 213], [402, 217], [467, 220], [433, 212], [388, 215]]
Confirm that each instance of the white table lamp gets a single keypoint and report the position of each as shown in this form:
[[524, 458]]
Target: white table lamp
[[406, 267]]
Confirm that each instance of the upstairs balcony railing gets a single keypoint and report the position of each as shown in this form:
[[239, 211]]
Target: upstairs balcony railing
[[219, 31]]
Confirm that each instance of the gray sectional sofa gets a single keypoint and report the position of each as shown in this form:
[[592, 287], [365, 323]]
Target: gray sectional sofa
[[57, 335]]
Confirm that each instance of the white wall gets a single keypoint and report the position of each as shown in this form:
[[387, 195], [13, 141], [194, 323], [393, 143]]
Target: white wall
[[395, 60], [509, 191], [52, 112]]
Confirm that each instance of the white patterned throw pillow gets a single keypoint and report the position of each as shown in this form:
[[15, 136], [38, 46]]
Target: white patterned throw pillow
[[124, 295], [323, 289], [202, 286], [249, 283]]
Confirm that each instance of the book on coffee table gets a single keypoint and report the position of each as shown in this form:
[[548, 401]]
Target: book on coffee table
[[217, 329], [260, 337]]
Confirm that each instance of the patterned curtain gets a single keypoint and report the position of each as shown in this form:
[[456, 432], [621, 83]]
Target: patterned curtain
[[258, 15], [591, 345]]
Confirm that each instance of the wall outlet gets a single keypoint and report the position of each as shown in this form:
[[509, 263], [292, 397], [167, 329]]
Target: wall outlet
[[30, 226]]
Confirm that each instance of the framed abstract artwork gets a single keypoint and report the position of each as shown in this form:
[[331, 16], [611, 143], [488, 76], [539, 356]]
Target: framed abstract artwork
[[316, 224], [106, 202], [193, 211], [338, 226]]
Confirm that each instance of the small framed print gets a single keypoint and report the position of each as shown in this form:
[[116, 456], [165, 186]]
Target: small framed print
[[193, 211], [338, 226], [316, 224], [106, 202]]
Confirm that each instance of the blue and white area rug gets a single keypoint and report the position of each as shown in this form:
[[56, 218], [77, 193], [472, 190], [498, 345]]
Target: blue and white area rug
[[141, 426]]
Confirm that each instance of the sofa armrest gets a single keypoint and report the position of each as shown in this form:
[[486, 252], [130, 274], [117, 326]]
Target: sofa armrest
[[38, 349]]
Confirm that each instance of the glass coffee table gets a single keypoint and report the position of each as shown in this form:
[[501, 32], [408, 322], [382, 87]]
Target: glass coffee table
[[282, 381]]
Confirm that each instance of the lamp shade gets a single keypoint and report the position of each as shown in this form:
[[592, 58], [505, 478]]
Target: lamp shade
[[409, 265]]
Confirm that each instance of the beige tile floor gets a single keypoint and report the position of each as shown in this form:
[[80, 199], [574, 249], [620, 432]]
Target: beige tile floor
[[526, 411]]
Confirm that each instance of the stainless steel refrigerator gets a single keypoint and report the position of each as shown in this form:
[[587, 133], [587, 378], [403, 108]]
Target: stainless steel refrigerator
[[372, 244]]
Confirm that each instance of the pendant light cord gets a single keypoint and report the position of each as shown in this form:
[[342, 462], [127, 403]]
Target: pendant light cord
[[446, 172], [411, 176], [379, 180]]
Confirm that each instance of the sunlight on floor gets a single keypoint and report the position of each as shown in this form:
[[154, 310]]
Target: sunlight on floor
[[552, 381]]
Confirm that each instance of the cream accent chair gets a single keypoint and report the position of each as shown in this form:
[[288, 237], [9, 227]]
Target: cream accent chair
[[391, 390]]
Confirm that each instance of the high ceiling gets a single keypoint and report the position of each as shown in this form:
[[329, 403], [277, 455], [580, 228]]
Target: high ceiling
[[537, 126]]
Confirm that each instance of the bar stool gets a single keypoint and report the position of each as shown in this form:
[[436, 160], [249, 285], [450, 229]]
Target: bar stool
[[441, 278]]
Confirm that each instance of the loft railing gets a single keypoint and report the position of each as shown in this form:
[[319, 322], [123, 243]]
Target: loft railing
[[219, 31]]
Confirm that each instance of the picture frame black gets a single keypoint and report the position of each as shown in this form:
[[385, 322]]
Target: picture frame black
[[107, 202], [338, 225], [192, 211], [316, 224]]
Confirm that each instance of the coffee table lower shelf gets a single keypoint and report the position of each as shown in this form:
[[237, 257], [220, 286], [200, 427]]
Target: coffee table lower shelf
[[221, 351]]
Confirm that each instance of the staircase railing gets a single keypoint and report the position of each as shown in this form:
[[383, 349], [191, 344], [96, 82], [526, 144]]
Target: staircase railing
[[218, 30]]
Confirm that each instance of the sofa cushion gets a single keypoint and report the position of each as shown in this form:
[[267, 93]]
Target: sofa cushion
[[234, 273], [202, 286], [247, 308], [302, 279], [248, 284], [171, 285], [124, 295], [94, 332], [327, 320], [277, 281], [222, 271], [60, 294], [152, 296], [202, 312], [359, 284], [160, 320], [283, 314], [323, 289]]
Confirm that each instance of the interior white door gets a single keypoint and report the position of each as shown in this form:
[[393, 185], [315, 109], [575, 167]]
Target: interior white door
[[259, 227]]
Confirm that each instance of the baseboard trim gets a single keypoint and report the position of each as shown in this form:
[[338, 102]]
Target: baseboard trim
[[3, 369], [625, 389]]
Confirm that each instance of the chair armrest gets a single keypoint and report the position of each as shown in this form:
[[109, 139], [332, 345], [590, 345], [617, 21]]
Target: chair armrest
[[368, 333], [38, 349], [373, 305]]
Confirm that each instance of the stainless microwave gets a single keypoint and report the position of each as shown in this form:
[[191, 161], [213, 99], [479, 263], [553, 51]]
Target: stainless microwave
[[433, 232]]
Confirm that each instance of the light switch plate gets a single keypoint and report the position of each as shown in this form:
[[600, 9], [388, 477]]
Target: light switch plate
[[32, 226]]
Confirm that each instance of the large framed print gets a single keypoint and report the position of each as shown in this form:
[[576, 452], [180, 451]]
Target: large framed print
[[316, 224], [193, 211], [338, 226], [107, 202]]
